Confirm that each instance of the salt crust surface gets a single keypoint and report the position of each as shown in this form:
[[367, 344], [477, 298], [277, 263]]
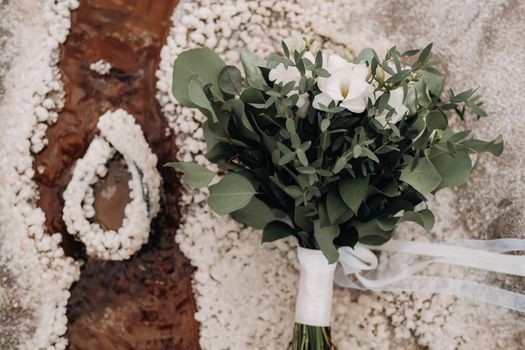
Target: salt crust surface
[[101, 67], [245, 291], [36, 275]]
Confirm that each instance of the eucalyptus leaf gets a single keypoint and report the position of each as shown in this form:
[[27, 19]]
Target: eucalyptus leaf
[[324, 236], [276, 230], [202, 64], [195, 175], [199, 99], [230, 80], [436, 120], [371, 233], [353, 191], [424, 218], [454, 169], [477, 146], [424, 177], [232, 193], [256, 214], [336, 207], [254, 76]]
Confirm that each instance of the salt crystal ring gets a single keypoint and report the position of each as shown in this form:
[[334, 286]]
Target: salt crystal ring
[[118, 133]]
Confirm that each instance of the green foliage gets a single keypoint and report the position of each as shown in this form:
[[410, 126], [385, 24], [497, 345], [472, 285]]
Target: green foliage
[[193, 70], [232, 193], [324, 236], [255, 214], [327, 176], [195, 175], [353, 191], [230, 80], [276, 230], [423, 177]]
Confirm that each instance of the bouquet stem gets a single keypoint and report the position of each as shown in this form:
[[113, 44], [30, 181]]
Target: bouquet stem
[[307, 337]]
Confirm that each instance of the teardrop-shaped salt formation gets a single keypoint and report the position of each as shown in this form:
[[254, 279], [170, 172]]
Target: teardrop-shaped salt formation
[[118, 133]]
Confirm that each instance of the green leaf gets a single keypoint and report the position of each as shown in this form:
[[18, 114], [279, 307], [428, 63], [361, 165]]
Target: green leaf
[[232, 193], [286, 51], [399, 76], [230, 80], [433, 81], [353, 191], [254, 76], [424, 177], [195, 175], [436, 120], [220, 151], [340, 165], [202, 64], [425, 54], [325, 123], [335, 207], [477, 146], [308, 170], [200, 100], [256, 214], [302, 220], [424, 218], [276, 230], [324, 236], [370, 232], [294, 191], [302, 156], [366, 55], [454, 169]]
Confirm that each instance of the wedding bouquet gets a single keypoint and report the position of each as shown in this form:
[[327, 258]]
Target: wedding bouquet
[[335, 151]]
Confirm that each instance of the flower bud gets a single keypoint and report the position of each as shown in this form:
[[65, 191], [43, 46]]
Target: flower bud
[[380, 74]]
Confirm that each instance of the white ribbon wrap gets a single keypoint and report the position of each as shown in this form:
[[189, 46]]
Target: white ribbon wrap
[[314, 297], [397, 274]]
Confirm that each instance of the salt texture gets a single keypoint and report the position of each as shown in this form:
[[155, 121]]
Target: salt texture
[[33, 259], [245, 291], [101, 67]]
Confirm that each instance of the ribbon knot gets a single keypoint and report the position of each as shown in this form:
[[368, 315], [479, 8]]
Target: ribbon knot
[[391, 274]]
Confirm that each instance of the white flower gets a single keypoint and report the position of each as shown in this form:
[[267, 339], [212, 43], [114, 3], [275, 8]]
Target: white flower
[[346, 84], [396, 102], [283, 75], [302, 104]]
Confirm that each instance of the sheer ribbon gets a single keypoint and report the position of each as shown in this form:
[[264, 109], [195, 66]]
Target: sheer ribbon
[[402, 271]]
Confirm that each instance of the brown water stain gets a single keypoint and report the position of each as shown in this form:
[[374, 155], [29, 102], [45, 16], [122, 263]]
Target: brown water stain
[[147, 301], [112, 196]]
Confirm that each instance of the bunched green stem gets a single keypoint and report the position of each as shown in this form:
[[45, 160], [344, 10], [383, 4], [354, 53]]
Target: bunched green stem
[[311, 338]]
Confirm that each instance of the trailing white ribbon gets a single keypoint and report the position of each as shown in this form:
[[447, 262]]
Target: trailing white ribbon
[[395, 274]]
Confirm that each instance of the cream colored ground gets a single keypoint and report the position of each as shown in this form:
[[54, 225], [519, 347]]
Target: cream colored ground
[[245, 291]]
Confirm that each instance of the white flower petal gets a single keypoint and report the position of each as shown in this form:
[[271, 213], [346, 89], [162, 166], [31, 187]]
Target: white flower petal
[[303, 99], [283, 75], [356, 105], [302, 104], [357, 88], [310, 56], [395, 101], [335, 62], [336, 86], [360, 71], [321, 98], [276, 72], [382, 120]]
